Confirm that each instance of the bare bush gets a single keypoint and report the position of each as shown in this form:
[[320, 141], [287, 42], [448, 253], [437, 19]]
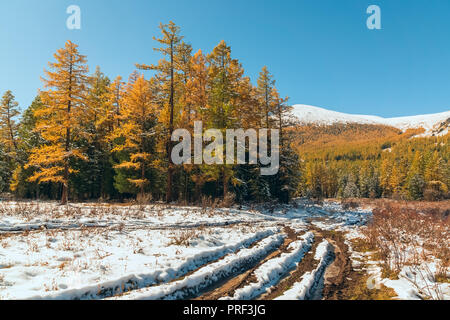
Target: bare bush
[[409, 237], [349, 204], [143, 199], [228, 201], [183, 238]]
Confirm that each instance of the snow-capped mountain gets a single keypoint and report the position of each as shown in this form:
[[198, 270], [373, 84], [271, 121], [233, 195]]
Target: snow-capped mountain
[[438, 123]]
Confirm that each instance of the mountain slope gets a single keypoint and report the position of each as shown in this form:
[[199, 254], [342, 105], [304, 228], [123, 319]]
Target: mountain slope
[[434, 124]]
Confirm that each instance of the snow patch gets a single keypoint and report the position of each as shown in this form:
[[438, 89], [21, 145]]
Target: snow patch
[[306, 288]]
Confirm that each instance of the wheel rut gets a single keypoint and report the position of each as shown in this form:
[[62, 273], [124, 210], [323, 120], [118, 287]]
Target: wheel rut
[[229, 286]]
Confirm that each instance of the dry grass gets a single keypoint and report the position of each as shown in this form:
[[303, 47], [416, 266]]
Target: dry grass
[[360, 290], [411, 236], [133, 210], [183, 238], [438, 208]]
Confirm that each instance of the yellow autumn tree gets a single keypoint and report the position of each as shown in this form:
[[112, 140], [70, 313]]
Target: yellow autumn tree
[[184, 65], [59, 120], [196, 86], [166, 71], [247, 103], [136, 134], [197, 96], [115, 93]]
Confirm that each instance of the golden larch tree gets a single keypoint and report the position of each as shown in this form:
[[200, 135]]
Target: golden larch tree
[[115, 95], [138, 117], [166, 73], [197, 87], [59, 120]]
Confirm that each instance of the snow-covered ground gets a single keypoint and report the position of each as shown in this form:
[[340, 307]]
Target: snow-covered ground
[[208, 274], [18, 216], [98, 251]]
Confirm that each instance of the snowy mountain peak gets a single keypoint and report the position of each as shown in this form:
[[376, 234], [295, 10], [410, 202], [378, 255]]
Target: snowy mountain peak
[[432, 123]]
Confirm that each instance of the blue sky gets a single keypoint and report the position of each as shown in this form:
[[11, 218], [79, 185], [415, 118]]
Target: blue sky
[[320, 51]]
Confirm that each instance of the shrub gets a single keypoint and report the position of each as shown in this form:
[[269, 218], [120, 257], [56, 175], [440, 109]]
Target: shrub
[[409, 235]]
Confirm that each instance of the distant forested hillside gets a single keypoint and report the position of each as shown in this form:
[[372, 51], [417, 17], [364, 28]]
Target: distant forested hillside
[[358, 160]]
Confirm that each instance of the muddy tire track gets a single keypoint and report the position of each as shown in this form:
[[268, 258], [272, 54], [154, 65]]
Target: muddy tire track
[[188, 294], [230, 285], [340, 278], [307, 264]]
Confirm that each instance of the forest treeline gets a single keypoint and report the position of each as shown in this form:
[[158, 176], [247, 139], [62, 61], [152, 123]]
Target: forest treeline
[[372, 161], [86, 136]]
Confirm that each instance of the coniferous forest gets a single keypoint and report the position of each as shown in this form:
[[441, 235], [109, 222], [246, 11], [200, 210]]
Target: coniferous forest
[[367, 161], [86, 136]]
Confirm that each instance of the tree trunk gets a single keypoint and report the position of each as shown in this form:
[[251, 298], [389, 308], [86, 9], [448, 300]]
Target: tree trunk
[[37, 191], [65, 191], [65, 186], [197, 192], [11, 130], [169, 178], [65, 194], [186, 198], [280, 119], [225, 182], [169, 143], [267, 108], [142, 178]]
